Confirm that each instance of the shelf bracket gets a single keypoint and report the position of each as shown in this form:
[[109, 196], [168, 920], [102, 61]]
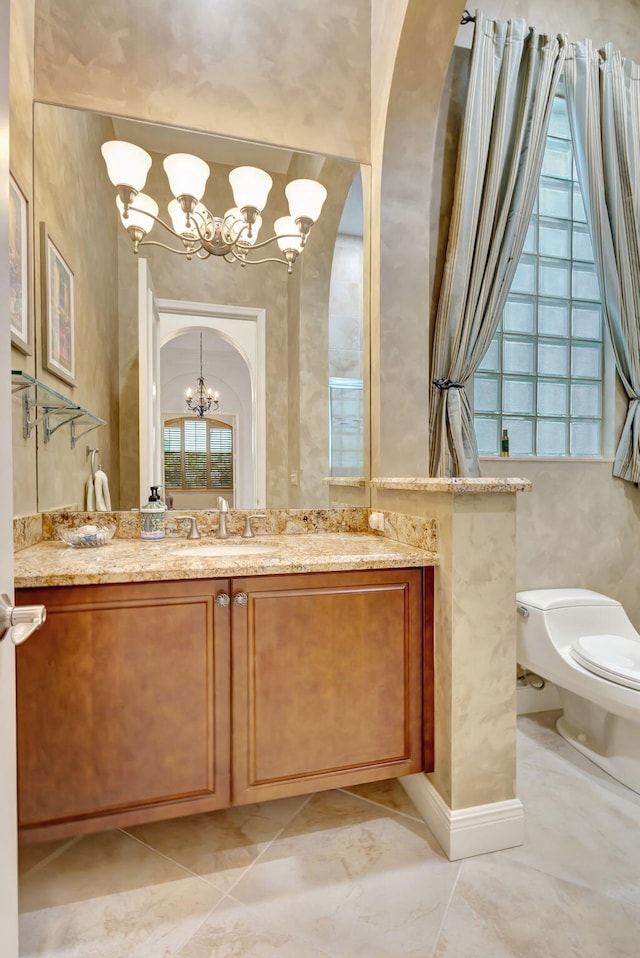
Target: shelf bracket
[[76, 436]]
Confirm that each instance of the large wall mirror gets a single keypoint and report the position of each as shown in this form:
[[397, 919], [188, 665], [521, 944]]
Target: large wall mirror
[[286, 353]]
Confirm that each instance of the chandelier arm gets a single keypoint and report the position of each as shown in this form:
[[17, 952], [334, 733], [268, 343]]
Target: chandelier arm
[[180, 252], [271, 239], [256, 262], [157, 219]]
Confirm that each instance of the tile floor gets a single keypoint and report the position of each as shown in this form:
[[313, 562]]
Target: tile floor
[[352, 874]]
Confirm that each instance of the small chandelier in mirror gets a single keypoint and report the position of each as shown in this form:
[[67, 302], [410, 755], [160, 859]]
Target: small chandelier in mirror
[[204, 400], [201, 233]]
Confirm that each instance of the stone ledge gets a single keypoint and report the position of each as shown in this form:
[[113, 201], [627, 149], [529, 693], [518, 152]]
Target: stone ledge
[[455, 486]]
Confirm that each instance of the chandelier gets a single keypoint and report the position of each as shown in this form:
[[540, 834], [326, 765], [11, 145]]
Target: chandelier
[[200, 232], [204, 400]]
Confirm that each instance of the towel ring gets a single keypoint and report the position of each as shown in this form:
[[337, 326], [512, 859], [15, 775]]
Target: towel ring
[[93, 453]]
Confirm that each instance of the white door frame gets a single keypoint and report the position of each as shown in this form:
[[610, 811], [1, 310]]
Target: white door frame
[[150, 419], [245, 328], [8, 803]]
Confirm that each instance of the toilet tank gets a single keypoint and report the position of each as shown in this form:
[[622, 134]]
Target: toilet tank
[[550, 619]]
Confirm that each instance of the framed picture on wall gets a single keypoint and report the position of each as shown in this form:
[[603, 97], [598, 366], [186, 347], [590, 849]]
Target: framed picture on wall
[[19, 312], [58, 311]]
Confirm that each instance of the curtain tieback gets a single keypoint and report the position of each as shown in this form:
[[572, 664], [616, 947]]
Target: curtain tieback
[[447, 384]]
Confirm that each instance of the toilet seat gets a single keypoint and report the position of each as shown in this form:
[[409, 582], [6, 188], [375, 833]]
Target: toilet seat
[[612, 657]]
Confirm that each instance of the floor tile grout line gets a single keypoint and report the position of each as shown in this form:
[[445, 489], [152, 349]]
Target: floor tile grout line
[[183, 944], [52, 856], [167, 858], [189, 871], [269, 844], [446, 910], [394, 811]]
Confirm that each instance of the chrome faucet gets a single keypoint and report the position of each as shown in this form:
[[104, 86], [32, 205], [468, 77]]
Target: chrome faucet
[[223, 506], [248, 531], [194, 532]]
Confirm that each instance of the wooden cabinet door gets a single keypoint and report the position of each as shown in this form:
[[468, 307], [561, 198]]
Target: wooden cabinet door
[[327, 681], [123, 706]]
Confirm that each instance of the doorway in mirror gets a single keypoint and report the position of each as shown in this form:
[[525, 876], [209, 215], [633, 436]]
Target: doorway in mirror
[[229, 445]]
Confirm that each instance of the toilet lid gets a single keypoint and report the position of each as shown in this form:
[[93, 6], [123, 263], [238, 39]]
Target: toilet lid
[[613, 657]]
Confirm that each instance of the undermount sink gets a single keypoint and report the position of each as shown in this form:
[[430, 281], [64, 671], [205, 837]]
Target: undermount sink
[[225, 549]]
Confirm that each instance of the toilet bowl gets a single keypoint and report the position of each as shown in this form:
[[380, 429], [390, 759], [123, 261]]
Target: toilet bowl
[[584, 643]]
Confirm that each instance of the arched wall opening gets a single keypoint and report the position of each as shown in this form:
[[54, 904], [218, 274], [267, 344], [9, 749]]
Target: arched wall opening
[[402, 193]]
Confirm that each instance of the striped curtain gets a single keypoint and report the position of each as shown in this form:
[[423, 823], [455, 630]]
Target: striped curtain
[[603, 99], [514, 73]]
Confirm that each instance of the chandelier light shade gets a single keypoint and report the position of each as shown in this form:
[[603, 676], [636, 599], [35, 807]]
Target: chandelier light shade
[[187, 175], [305, 199], [250, 187], [142, 217], [127, 164], [200, 232], [203, 400], [289, 239]]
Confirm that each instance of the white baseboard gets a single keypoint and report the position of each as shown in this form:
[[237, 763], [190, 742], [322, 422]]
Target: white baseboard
[[537, 700], [465, 832]]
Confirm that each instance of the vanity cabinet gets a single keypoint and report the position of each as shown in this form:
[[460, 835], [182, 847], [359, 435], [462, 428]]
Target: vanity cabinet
[[143, 701]]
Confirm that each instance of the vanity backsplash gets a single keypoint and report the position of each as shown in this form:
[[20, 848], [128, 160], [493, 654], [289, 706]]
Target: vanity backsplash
[[411, 530]]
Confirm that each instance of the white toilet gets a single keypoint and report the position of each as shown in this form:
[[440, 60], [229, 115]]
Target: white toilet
[[584, 643]]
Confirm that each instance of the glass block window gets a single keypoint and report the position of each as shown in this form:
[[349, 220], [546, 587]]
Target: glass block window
[[198, 454], [346, 427], [542, 376]]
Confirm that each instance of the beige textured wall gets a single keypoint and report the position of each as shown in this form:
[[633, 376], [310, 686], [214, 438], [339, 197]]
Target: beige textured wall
[[73, 200], [25, 493], [313, 345], [579, 527], [475, 745], [294, 73]]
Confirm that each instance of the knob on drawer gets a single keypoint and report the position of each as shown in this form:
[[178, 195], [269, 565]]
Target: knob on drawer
[[240, 598], [222, 599]]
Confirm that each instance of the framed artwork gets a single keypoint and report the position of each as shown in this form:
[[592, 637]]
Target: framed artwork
[[19, 312], [58, 311]]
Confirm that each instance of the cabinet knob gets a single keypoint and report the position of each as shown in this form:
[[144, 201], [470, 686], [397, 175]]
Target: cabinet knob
[[240, 598], [222, 599]]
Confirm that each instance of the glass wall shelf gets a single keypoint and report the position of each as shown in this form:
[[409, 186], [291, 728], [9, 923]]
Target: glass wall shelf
[[42, 405]]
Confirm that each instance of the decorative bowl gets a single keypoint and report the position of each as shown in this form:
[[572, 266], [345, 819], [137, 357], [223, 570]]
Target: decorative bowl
[[87, 537]]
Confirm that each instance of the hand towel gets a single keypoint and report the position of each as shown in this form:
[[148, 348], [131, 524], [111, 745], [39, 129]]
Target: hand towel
[[90, 495], [103, 498]]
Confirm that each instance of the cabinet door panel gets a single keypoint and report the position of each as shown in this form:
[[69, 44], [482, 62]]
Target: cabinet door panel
[[327, 681], [117, 702]]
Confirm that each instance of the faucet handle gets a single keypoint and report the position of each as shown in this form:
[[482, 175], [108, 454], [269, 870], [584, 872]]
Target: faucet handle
[[194, 532], [248, 531]]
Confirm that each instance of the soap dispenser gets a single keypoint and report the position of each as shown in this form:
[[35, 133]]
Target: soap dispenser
[[152, 516]]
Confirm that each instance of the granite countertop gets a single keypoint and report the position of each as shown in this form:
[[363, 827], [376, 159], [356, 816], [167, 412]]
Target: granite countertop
[[51, 562]]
